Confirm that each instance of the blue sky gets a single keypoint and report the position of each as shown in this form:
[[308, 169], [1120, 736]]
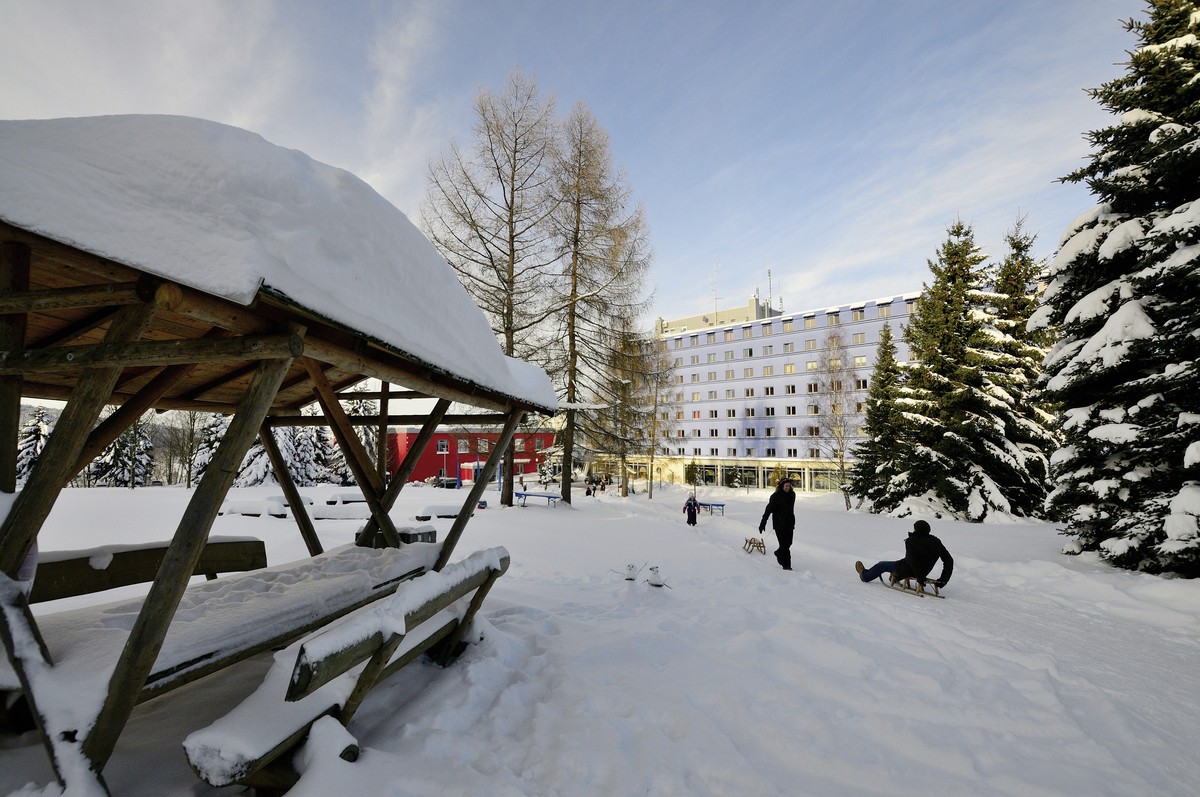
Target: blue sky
[[831, 143]]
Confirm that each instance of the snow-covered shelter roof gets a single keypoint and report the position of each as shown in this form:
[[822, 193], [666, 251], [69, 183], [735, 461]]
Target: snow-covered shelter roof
[[223, 212]]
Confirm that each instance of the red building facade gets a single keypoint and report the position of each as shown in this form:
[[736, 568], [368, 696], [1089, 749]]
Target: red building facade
[[461, 454]]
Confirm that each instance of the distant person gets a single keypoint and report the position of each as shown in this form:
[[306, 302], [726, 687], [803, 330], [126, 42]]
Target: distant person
[[521, 483], [781, 508], [921, 551], [691, 507]]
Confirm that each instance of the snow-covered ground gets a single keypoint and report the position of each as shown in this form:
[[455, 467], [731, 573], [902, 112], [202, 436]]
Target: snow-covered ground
[[1041, 674]]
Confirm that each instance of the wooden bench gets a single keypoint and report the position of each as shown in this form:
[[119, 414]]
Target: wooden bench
[[711, 507], [345, 498], [551, 498], [65, 574], [330, 673]]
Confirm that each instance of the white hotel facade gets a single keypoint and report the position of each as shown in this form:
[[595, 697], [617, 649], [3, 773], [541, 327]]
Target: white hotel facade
[[750, 398]]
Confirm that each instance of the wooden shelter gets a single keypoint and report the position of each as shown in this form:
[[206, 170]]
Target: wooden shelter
[[93, 329]]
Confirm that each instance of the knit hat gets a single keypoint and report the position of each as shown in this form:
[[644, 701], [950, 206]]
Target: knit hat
[[921, 527]]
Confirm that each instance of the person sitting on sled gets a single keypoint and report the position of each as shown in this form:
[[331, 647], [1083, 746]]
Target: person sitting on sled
[[921, 551]]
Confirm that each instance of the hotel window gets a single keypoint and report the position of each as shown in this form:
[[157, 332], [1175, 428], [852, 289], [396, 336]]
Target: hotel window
[[695, 433], [858, 315], [679, 343], [768, 370], [789, 409], [788, 348], [696, 452], [696, 396], [750, 431], [712, 413], [695, 340], [810, 322], [769, 431], [811, 365], [729, 355], [678, 361], [695, 415], [749, 452], [729, 334], [814, 453], [860, 384], [791, 431], [814, 431], [695, 359], [679, 415], [789, 368], [859, 338], [835, 362], [910, 306], [769, 411], [747, 353], [711, 337], [769, 390], [711, 376], [834, 319], [814, 387], [679, 379], [696, 377], [814, 409], [747, 372], [770, 452], [768, 351], [749, 392], [789, 390], [836, 386], [749, 412], [810, 345], [730, 393], [791, 452], [729, 373], [731, 452], [712, 452], [712, 356], [680, 433], [713, 433], [860, 407], [787, 325], [766, 330], [730, 413], [860, 361], [747, 332], [731, 432], [712, 395], [884, 311]]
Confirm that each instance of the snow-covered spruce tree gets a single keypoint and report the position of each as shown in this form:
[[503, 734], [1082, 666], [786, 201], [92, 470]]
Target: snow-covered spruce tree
[[127, 461], [1012, 356], [1125, 295], [210, 438], [306, 467], [957, 460], [873, 476], [31, 441]]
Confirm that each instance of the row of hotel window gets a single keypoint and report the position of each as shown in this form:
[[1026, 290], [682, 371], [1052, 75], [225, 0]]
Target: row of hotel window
[[769, 431], [857, 339], [860, 408], [790, 453], [483, 445], [835, 386], [788, 325], [769, 370]]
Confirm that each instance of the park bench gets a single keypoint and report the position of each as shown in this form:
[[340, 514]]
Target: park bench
[[66, 574], [330, 672], [712, 507], [551, 498], [440, 511]]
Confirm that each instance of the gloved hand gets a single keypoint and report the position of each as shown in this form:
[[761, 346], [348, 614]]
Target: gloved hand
[[939, 583], [762, 529]]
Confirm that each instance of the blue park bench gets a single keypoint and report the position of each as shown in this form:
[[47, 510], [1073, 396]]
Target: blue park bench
[[551, 498]]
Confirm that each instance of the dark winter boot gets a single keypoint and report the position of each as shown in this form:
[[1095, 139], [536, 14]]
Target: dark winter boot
[[859, 567]]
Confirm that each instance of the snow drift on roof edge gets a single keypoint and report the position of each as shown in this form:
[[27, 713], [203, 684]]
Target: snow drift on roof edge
[[224, 211]]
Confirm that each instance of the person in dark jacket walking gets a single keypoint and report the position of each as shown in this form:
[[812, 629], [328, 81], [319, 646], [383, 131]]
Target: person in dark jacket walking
[[781, 508], [921, 551], [691, 507]]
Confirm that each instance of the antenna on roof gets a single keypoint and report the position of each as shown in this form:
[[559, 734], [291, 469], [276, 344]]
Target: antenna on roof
[[770, 301], [716, 299]]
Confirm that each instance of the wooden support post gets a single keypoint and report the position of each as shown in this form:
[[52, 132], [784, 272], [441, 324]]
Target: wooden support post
[[352, 448], [146, 637], [481, 481], [381, 450], [450, 647], [50, 473], [366, 538], [299, 513], [14, 278]]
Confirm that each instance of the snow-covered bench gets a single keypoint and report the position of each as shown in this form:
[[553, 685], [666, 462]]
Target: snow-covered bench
[[330, 672], [64, 574], [440, 511]]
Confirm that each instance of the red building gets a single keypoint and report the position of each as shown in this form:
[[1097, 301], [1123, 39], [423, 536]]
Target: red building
[[462, 453]]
